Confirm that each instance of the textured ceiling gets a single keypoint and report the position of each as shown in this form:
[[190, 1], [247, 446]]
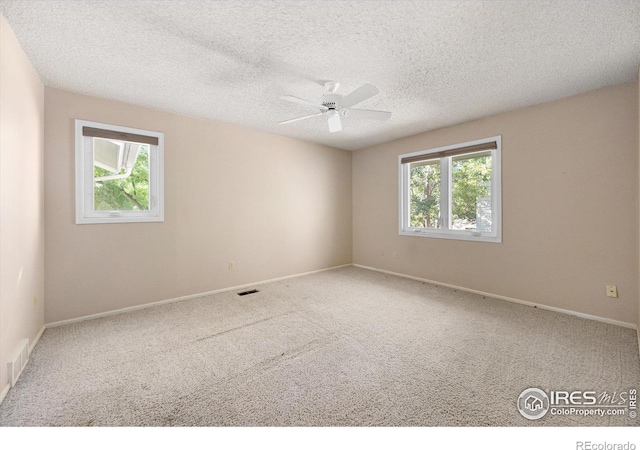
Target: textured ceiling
[[436, 63]]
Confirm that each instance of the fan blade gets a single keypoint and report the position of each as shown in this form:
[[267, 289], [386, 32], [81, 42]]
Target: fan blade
[[334, 122], [299, 118], [291, 98], [359, 95], [367, 114]]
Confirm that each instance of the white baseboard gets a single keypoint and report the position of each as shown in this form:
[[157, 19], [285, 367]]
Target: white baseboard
[[37, 338], [6, 389], [180, 299], [509, 299], [242, 286], [4, 392]]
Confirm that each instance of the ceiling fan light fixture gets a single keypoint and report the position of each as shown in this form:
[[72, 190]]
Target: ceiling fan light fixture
[[335, 124]]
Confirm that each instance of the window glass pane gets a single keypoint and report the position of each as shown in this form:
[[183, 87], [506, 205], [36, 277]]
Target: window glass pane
[[121, 175], [471, 192], [424, 193]]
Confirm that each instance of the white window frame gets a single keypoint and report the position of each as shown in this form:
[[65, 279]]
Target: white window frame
[[85, 212], [495, 235]]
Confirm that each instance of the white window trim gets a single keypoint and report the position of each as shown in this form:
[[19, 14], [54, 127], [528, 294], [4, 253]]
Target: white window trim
[[496, 197], [85, 214]]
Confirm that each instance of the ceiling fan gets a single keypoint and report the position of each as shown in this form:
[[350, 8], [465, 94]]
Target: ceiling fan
[[335, 105]]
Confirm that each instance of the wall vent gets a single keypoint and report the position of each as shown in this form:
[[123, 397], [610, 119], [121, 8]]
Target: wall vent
[[15, 366], [252, 291]]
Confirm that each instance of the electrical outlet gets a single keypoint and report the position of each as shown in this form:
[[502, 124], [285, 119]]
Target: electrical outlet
[[230, 265], [381, 252], [612, 291], [35, 302], [395, 254]]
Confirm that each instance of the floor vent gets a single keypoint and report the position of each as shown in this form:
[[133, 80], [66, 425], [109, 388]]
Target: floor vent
[[252, 291], [15, 366]]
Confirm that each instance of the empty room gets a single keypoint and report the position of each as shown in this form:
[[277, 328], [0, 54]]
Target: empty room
[[319, 214]]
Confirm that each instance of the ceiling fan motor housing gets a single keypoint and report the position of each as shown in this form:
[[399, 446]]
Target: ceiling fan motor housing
[[331, 101]]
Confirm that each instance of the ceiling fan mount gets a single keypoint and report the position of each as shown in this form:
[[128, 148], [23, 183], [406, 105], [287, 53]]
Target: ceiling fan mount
[[335, 105], [331, 86]]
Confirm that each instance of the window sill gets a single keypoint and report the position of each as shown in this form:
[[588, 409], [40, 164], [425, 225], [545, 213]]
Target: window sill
[[455, 235], [117, 219]]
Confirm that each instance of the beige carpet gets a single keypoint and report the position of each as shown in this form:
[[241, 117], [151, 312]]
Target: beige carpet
[[346, 347]]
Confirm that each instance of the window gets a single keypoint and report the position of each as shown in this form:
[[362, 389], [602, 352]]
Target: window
[[452, 192], [119, 174]]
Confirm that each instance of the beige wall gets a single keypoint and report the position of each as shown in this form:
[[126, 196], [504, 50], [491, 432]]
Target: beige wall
[[570, 177], [21, 197], [273, 205]]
